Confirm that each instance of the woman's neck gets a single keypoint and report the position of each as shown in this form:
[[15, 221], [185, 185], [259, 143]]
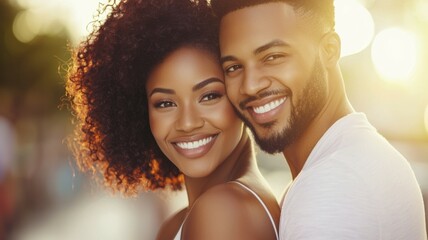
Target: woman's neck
[[239, 163]]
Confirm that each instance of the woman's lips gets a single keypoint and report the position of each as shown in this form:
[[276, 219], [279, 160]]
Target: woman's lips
[[195, 148]]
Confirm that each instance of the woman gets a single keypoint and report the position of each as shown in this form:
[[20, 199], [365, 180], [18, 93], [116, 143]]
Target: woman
[[148, 93]]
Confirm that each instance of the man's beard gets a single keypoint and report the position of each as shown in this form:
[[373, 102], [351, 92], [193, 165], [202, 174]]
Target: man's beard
[[307, 107]]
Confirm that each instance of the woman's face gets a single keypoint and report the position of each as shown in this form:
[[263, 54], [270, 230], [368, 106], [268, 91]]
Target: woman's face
[[190, 116]]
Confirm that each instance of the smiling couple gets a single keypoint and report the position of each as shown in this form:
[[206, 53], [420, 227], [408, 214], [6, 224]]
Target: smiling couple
[[163, 93]]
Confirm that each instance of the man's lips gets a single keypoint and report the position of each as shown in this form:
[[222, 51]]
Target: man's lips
[[265, 111], [269, 106]]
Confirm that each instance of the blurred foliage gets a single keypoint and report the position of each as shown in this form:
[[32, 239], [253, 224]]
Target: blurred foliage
[[31, 74]]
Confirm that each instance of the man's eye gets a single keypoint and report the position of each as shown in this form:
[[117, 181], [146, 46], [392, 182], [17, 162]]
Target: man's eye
[[273, 57], [232, 68]]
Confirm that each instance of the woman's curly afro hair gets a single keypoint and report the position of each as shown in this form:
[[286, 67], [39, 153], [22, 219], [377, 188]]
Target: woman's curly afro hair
[[106, 88]]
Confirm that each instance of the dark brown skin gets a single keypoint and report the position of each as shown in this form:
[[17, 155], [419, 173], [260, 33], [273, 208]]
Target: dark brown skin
[[181, 112], [225, 210], [285, 68], [151, 109]]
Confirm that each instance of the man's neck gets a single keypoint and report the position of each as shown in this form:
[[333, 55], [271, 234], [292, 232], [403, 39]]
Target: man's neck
[[336, 107]]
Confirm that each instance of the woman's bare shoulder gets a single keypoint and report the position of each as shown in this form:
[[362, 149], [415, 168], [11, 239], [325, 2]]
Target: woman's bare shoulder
[[228, 211]]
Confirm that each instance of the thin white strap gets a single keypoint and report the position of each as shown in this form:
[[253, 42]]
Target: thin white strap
[[178, 235], [263, 204]]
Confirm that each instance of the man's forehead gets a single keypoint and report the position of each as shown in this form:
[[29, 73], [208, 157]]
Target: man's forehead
[[258, 24], [271, 16]]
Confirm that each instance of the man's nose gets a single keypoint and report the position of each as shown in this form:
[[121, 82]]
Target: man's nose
[[254, 81]]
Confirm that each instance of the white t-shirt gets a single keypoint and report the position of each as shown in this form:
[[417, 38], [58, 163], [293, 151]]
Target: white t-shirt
[[354, 185]]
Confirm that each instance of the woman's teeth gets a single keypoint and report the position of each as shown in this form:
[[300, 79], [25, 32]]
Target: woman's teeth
[[194, 144]]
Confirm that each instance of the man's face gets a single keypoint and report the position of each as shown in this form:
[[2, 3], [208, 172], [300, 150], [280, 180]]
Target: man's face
[[274, 76]]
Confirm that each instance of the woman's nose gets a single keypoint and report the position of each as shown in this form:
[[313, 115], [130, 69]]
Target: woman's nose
[[189, 119]]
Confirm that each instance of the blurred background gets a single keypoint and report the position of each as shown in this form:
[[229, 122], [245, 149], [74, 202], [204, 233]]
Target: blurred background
[[44, 196]]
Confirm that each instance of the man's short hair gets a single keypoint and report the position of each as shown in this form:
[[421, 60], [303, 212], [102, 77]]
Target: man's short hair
[[320, 13]]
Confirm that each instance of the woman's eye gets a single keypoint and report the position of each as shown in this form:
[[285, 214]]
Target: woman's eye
[[164, 104], [211, 96]]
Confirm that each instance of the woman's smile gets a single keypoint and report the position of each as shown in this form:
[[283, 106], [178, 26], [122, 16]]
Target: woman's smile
[[195, 148]]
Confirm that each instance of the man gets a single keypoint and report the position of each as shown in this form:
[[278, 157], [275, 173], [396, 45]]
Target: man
[[280, 60]]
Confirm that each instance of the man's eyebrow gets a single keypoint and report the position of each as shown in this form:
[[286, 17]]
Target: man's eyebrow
[[161, 90], [205, 82], [227, 58], [274, 43]]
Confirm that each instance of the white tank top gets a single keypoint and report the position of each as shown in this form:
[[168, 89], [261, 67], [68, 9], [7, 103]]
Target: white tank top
[[178, 236]]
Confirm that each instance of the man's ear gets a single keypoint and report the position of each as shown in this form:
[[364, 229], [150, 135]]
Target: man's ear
[[330, 47]]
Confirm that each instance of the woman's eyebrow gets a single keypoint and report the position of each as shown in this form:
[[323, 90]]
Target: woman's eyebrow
[[206, 82], [161, 90], [194, 88]]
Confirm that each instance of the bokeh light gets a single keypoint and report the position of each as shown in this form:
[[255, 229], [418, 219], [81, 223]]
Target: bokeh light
[[355, 26], [394, 54], [26, 26], [44, 16]]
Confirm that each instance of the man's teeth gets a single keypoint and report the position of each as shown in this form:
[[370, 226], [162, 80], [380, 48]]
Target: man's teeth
[[269, 106], [194, 144]]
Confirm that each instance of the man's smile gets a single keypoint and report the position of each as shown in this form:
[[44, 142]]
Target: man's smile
[[269, 106]]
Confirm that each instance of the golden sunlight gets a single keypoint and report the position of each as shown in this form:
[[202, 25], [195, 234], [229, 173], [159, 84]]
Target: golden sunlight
[[394, 54], [426, 119]]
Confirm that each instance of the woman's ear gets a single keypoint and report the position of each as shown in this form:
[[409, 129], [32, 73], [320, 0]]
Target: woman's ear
[[330, 47]]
